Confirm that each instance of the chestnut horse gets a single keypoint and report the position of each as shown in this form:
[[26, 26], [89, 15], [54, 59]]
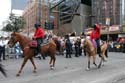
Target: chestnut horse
[[29, 53], [92, 52], [2, 70]]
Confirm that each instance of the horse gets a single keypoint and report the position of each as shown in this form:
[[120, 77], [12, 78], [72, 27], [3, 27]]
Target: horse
[[29, 52], [91, 51], [58, 44], [2, 70]]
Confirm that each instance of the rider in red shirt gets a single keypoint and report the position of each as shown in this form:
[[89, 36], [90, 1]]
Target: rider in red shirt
[[38, 35], [95, 35]]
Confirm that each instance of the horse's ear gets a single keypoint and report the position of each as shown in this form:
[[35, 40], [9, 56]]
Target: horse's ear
[[14, 32]]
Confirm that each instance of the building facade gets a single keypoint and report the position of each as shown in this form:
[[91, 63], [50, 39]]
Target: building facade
[[111, 13], [36, 11], [68, 22], [103, 9]]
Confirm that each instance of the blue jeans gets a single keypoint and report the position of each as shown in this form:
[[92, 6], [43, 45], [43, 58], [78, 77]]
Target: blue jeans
[[98, 46]]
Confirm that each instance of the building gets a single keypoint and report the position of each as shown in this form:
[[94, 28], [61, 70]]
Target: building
[[103, 9], [111, 13], [68, 20], [33, 13], [63, 23]]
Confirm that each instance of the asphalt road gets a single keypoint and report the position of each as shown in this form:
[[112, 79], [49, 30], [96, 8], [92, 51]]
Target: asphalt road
[[67, 71]]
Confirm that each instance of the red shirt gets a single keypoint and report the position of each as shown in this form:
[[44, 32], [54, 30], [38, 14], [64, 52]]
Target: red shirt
[[39, 33], [95, 33]]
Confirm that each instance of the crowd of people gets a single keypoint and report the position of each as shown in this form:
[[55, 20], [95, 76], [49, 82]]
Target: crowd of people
[[69, 44]]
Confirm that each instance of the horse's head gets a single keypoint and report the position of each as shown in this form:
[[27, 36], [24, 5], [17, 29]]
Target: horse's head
[[85, 42], [13, 39]]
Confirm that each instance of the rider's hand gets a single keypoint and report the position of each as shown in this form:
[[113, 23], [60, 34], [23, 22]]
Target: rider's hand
[[33, 38]]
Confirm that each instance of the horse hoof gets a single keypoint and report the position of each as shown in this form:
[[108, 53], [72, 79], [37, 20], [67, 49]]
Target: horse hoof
[[105, 60], [51, 65], [99, 67], [34, 71], [102, 64], [87, 69], [17, 75], [52, 68]]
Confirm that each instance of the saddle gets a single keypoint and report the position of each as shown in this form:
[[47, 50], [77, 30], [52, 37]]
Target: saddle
[[94, 43], [45, 42], [33, 44]]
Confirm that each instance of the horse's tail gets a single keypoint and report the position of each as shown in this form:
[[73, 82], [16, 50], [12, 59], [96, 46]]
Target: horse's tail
[[57, 44], [3, 70]]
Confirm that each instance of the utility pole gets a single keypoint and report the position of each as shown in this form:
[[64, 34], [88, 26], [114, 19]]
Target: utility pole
[[49, 12], [39, 11], [107, 18], [28, 18]]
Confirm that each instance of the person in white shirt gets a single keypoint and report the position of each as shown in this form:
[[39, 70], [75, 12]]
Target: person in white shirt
[[2, 48]]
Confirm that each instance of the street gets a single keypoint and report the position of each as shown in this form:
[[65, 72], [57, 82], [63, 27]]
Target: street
[[66, 70]]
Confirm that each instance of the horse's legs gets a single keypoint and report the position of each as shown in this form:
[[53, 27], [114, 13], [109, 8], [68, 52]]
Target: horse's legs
[[94, 58], [106, 53], [3, 70], [32, 61], [100, 62], [50, 60], [50, 63], [84, 51], [23, 64], [89, 57], [104, 56], [43, 55], [54, 59]]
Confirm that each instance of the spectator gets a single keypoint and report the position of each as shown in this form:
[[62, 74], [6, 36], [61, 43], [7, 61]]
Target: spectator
[[2, 49], [68, 47], [76, 48]]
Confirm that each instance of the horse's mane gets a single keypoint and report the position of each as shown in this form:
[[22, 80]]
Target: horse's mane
[[22, 36], [88, 41], [23, 40], [89, 46]]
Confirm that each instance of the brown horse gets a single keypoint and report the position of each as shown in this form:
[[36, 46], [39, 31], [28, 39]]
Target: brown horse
[[2, 70], [29, 53], [92, 52]]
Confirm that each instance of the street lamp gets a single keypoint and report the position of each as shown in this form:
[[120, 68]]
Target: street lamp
[[107, 18]]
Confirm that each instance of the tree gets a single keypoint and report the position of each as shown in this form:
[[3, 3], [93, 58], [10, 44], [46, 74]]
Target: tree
[[14, 23]]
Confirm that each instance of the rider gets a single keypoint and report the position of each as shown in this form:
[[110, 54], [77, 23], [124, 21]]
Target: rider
[[38, 35], [95, 35]]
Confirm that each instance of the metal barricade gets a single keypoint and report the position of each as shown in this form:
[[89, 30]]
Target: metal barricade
[[10, 52]]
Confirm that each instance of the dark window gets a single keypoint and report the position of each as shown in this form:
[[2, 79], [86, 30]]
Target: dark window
[[87, 2]]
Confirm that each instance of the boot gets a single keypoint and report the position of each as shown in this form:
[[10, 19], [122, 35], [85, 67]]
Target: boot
[[99, 51]]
